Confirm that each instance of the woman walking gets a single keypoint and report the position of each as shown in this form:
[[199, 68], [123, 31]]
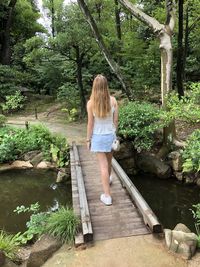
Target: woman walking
[[102, 124]]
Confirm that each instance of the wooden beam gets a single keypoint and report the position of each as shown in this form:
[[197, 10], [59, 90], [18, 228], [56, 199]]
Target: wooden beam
[[84, 209], [149, 217], [79, 239]]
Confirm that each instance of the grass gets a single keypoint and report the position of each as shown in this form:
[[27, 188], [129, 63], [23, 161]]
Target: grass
[[8, 245], [63, 224]]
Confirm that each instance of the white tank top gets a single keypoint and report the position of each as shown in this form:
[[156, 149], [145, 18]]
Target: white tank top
[[104, 125]]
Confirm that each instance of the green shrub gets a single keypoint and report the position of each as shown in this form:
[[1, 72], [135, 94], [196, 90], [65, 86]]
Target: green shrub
[[9, 245], [63, 224], [35, 226], [196, 216], [3, 119], [138, 122], [191, 153], [188, 107], [13, 102], [14, 142], [8, 80]]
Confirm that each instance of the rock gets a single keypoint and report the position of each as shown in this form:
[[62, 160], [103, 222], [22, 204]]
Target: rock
[[9, 263], [179, 176], [21, 164], [37, 159], [189, 178], [181, 241], [2, 258], [61, 176], [128, 165], [30, 155], [5, 167], [176, 160], [182, 227], [150, 164], [42, 250], [46, 165], [198, 182], [126, 151]]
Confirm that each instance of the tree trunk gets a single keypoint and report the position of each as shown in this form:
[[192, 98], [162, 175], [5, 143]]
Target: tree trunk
[[114, 66], [5, 53], [118, 21], [180, 52], [164, 32], [52, 19], [186, 41], [79, 59]]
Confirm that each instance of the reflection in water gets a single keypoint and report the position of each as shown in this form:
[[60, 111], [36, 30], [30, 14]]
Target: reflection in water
[[25, 187], [170, 200]]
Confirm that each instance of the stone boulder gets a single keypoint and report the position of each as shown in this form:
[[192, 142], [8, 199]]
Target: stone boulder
[[30, 155], [150, 164], [42, 250], [181, 241], [46, 165], [9, 263], [126, 157], [2, 258], [21, 164], [175, 161], [61, 176], [126, 151], [37, 159]]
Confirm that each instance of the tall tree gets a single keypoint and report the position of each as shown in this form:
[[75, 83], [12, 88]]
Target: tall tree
[[6, 23], [114, 66], [180, 51], [164, 33]]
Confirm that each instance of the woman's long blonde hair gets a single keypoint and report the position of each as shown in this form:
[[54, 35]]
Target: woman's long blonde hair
[[100, 97]]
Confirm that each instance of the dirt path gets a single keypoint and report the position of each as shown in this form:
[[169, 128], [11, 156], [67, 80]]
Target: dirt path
[[72, 131], [135, 251]]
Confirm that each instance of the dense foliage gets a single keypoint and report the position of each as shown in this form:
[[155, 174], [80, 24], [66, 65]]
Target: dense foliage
[[9, 245], [191, 153], [63, 224], [14, 142], [63, 58], [138, 123]]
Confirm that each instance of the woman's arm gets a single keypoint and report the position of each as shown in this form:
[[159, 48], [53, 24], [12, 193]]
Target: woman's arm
[[115, 115], [90, 123]]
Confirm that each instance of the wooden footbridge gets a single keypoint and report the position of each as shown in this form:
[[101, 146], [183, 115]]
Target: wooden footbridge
[[128, 215]]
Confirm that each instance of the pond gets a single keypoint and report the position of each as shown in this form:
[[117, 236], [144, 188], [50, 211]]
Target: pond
[[25, 187], [170, 200]]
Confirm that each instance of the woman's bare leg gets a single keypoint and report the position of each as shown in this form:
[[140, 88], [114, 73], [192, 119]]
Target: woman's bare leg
[[103, 162], [109, 156]]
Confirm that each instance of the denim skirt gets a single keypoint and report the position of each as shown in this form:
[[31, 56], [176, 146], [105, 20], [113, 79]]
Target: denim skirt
[[102, 142]]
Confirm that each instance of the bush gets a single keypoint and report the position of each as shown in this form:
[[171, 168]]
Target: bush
[[2, 120], [8, 245], [188, 107], [14, 142], [13, 102], [138, 122], [191, 153], [36, 224], [63, 224]]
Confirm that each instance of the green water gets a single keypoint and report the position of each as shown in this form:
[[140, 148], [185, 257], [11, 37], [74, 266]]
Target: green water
[[169, 199], [25, 187]]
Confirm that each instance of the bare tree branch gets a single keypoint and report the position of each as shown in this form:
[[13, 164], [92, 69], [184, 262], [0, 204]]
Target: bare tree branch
[[143, 17]]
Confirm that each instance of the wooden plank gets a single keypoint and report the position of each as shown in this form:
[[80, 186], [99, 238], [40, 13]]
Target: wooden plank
[[149, 217], [85, 214], [79, 240]]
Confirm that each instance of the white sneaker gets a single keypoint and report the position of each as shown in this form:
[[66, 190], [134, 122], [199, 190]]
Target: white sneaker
[[110, 179], [107, 200]]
